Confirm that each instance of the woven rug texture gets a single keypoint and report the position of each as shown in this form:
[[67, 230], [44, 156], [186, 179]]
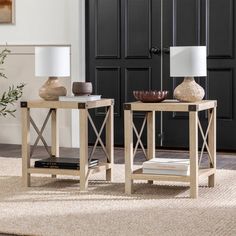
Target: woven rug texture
[[55, 207]]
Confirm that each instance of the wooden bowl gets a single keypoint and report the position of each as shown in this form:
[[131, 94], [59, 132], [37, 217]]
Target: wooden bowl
[[82, 88], [150, 96]]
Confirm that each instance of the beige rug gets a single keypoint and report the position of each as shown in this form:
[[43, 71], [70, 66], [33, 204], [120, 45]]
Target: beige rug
[[55, 206]]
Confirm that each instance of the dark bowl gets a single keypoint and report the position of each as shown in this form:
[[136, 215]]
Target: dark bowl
[[82, 88], [150, 96]]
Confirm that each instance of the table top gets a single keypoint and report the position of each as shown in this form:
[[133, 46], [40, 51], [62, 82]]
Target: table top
[[171, 105], [67, 104]]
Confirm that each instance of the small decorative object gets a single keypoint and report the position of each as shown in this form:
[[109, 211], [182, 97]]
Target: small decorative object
[[7, 14], [150, 96], [82, 88], [9, 97], [53, 62], [188, 62]]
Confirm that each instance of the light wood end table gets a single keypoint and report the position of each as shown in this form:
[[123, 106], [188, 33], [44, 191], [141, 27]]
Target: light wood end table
[[209, 141], [84, 120]]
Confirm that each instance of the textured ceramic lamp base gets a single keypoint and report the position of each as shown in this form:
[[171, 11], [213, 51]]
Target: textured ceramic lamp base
[[189, 91], [52, 89]]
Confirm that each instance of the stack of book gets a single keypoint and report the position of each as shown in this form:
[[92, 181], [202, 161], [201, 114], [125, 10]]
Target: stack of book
[[167, 166], [84, 98], [62, 163]]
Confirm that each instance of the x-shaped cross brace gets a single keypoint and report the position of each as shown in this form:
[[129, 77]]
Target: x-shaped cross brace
[[40, 133], [98, 135], [204, 136], [139, 135]]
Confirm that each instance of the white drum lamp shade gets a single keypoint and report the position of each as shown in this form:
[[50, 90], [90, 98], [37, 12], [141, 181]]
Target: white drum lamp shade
[[188, 62], [52, 62]]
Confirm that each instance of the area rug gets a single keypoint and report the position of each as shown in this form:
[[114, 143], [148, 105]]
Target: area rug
[[56, 207]]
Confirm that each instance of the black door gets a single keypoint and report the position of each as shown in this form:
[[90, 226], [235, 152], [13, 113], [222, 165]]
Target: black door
[[120, 34], [211, 23], [123, 41], [182, 21]]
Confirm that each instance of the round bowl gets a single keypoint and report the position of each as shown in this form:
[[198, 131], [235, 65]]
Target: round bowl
[[82, 88], [150, 96]]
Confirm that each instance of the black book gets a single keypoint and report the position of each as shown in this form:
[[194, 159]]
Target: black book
[[62, 163]]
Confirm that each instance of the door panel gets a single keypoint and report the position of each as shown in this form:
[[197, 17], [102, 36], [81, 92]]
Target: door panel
[[138, 32], [136, 79], [186, 18], [224, 96], [107, 24], [107, 83], [220, 35], [118, 58], [220, 83], [120, 34], [183, 32]]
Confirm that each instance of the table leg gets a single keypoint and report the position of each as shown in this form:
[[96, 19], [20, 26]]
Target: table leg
[[54, 135], [110, 142], [25, 117], [150, 137], [193, 145], [84, 174], [212, 144], [128, 115]]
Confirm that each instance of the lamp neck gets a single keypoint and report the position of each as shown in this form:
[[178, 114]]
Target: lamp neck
[[52, 78], [188, 79]]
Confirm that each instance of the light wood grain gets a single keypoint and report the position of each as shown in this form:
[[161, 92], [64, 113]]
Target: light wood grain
[[151, 135], [212, 145], [193, 152], [151, 130], [69, 104], [172, 105], [138, 175], [206, 172], [84, 171], [25, 120], [49, 171], [84, 175], [128, 121], [110, 142], [54, 135]]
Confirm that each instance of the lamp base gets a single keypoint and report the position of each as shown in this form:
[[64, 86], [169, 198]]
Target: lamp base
[[52, 89], [189, 91]]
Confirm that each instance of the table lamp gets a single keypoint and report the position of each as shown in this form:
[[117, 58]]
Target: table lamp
[[188, 62], [52, 62]]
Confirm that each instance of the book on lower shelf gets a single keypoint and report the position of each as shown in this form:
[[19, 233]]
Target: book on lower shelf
[[84, 98], [62, 163], [166, 172], [167, 163], [167, 166]]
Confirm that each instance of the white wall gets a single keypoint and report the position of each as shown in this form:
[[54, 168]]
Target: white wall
[[39, 22]]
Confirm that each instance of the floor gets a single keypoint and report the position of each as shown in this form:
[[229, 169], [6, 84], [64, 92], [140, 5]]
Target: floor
[[224, 160]]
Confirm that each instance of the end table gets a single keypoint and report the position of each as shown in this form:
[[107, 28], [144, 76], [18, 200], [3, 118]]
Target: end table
[[85, 118], [209, 141]]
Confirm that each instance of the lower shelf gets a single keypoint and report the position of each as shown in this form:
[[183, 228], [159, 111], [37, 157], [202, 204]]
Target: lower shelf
[[52, 171], [138, 175]]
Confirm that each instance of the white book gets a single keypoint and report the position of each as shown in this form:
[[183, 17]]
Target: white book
[[167, 172], [84, 98], [167, 163]]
